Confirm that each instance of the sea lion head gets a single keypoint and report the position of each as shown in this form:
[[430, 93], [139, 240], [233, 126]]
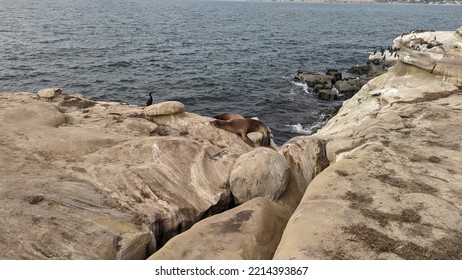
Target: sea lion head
[[217, 123]]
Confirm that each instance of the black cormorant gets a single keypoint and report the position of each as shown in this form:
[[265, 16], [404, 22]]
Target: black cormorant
[[150, 99]]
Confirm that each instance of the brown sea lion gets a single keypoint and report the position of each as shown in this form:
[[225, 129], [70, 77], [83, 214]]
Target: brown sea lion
[[228, 116], [243, 126]]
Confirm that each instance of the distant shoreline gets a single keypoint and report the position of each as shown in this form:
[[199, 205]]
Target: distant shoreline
[[449, 3]]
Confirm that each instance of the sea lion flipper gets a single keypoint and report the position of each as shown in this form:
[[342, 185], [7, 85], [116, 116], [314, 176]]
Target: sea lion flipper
[[265, 140], [247, 140]]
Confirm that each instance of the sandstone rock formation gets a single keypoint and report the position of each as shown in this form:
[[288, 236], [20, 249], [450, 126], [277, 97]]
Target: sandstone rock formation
[[49, 93], [392, 188], [261, 172], [250, 231], [81, 179], [306, 157], [85, 180], [164, 108]]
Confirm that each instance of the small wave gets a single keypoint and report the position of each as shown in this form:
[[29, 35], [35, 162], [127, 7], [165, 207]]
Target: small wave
[[122, 64], [301, 85], [300, 129], [308, 130]]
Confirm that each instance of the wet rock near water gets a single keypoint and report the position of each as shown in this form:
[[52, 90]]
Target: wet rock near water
[[333, 86]]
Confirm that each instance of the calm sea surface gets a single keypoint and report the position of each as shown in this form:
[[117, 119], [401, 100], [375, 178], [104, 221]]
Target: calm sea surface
[[213, 56]]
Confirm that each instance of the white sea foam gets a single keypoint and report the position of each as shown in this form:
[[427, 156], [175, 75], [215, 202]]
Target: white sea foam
[[302, 85], [308, 130], [335, 90], [300, 129]]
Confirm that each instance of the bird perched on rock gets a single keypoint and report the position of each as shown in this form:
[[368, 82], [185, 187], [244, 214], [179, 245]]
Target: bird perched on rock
[[149, 100], [433, 43]]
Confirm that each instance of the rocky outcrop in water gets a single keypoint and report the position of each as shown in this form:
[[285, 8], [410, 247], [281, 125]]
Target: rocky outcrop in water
[[81, 179], [333, 86]]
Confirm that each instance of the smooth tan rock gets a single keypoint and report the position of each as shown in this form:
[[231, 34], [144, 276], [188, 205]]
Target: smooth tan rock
[[141, 125], [164, 108], [438, 53], [49, 93], [306, 157], [133, 246], [391, 190], [459, 31], [250, 231], [420, 59], [37, 114], [82, 180], [261, 172]]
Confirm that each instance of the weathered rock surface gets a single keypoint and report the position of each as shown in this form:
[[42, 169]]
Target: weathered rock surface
[[164, 108], [261, 172], [306, 157], [250, 231], [49, 93], [392, 189], [84, 180]]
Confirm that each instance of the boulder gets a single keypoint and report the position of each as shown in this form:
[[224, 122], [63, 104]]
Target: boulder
[[313, 79], [49, 93], [336, 75], [359, 70], [348, 87], [250, 231], [328, 94], [261, 172], [459, 31], [306, 156], [164, 108]]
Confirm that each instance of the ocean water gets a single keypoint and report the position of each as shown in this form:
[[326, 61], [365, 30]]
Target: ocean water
[[214, 56]]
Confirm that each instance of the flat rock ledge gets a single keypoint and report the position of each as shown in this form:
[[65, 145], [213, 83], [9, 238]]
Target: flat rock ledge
[[82, 179]]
